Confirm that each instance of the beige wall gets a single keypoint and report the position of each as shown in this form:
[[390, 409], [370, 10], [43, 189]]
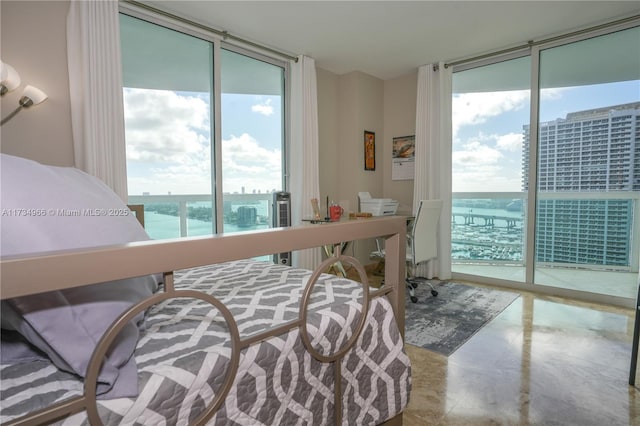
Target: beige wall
[[399, 120], [348, 105], [33, 37], [328, 118]]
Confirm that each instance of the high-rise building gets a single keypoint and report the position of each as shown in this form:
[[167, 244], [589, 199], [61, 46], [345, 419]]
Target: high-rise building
[[587, 152]]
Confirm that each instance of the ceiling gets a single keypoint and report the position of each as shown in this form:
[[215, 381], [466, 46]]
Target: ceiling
[[389, 39]]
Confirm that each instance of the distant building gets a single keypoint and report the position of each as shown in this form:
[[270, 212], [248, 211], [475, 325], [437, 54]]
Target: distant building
[[588, 151], [247, 216]]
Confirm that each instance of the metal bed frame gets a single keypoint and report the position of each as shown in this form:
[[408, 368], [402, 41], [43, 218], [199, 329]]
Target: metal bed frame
[[51, 271]]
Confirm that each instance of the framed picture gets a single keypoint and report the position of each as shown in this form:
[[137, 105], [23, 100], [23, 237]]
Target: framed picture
[[403, 157], [369, 150]]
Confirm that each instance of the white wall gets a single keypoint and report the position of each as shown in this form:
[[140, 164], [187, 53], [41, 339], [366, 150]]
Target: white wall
[[34, 42]]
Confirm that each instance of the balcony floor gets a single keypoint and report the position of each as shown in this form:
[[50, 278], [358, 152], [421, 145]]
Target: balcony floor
[[621, 284]]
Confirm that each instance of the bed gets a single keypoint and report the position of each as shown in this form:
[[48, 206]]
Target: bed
[[211, 336]]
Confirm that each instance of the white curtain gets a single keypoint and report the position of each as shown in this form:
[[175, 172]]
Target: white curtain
[[95, 86], [433, 158], [304, 180]]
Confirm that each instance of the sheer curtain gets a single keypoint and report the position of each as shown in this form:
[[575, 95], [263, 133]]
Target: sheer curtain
[[432, 178], [304, 178], [95, 86]]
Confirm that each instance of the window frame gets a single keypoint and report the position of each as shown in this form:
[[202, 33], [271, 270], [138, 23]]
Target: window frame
[[220, 43]]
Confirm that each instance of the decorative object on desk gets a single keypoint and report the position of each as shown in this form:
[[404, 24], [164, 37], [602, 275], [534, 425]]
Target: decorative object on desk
[[403, 158], [369, 150], [335, 212], [442, 324], [316, 208], [360, 215]]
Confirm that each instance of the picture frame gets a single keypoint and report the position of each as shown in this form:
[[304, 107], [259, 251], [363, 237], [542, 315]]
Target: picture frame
[[403, 157], [369, 150]]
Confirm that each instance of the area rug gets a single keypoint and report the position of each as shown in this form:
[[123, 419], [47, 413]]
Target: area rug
[[443, 323]]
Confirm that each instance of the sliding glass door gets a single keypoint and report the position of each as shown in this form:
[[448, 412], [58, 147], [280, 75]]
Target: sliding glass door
[[546, 179], [588, 165], [252, 128], [168, 106], [204, 128], [490, 110]]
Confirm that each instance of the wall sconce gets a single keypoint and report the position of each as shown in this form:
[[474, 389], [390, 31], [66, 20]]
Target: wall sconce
[[9, 80]]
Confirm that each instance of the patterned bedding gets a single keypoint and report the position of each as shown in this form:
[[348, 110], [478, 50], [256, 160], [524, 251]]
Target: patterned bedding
[[183, 354]]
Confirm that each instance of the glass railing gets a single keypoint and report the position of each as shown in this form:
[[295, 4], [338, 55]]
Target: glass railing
[[174, 216], [572, 227], [488, 228], [586, 242]]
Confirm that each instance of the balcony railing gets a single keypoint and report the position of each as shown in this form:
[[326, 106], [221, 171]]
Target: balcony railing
[[489, 228], [172, 216]]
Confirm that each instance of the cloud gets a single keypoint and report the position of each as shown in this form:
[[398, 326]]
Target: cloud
[[510, 142], [169, 148], [163, 126], [475, 154], [477, 108], [265, 109], [487, 161], [246, 164], [481, 166]]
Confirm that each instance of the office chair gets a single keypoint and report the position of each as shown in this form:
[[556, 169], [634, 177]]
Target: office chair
[[422, 243]]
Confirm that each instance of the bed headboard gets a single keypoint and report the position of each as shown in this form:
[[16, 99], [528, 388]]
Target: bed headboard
[[138, 210]]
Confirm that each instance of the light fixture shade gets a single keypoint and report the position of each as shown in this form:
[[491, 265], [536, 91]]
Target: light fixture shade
[[35, 94], [10, 77]]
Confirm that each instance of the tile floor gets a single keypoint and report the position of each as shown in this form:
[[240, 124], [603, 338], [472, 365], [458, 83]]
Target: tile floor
[[542, 361]]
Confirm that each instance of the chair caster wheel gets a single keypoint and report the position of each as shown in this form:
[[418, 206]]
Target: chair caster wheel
[[414, 299], [434, 293], [414, 285]]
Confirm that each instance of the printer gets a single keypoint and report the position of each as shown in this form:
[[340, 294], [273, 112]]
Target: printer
[[377, 206]]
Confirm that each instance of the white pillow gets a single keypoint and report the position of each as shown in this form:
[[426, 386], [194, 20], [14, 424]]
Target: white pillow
[[46, 208]]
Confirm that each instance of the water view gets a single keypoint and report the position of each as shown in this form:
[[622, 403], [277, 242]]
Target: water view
[[487, 230], [162, 220]]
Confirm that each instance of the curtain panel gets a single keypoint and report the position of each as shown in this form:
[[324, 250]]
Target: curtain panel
[[433, 141], [304, 180], [95, 86]]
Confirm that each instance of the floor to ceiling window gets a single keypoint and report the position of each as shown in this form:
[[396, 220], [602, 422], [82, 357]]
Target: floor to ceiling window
[[588, 166], [490, 105], [252, 139], [568, 215], [201, 162]]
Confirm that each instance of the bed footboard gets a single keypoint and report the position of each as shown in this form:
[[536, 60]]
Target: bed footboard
[[51, 271]]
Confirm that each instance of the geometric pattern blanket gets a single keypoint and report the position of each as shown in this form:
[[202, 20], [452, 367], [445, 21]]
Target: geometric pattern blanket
[[183, 354]]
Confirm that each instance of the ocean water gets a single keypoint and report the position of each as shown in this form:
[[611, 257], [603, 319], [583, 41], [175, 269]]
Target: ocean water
[[162, 226]]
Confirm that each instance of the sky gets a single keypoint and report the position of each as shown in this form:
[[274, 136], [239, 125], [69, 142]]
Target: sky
[[169, 143], [487, 130]]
